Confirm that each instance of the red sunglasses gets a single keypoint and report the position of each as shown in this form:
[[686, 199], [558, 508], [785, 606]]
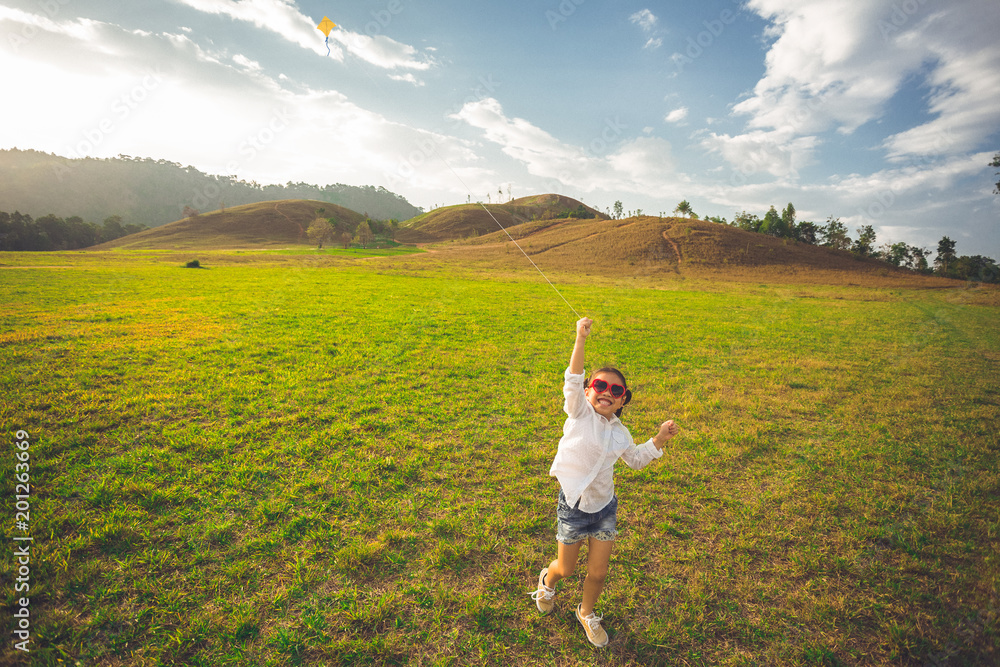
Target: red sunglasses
[[600, 386]]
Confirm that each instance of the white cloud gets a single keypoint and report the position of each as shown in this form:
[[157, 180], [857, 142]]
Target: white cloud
[[836, 64], [276, 16], [382, 51], [643, 165], [827, 68], [897, 200], [407, 78], [284, 19], [246, 63], [964, 83], [677, 115], [776, 152], [25, 27], [940, 174], [538, 149], [645, 19]]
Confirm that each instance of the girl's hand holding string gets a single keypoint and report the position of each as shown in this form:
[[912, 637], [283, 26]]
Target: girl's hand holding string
[[582, 331]]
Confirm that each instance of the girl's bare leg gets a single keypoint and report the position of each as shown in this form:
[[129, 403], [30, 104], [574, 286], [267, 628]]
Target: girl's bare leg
[[598, 559], [565, 563]]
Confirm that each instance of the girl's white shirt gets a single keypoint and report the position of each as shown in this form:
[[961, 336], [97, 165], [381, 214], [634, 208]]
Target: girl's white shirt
[[590, 446]]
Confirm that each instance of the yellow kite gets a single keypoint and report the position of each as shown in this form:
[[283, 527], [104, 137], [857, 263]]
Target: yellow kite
[[326, 25]]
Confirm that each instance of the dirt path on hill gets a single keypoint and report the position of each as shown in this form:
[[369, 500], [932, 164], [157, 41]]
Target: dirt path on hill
[[673, 245], [302, 232]]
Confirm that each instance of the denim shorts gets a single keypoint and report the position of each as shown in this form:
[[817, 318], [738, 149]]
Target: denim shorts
[[574, 524]]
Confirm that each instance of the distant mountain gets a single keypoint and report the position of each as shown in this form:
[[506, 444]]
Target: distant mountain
[[258, 225], [155, 192], [465, 220]]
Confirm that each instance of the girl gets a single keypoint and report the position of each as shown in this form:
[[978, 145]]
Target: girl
[[593, 439]]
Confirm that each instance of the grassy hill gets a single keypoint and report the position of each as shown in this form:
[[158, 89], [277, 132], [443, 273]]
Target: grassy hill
[[649, 246], [470, 220], [467, 236], [639, 246], [266, 224]]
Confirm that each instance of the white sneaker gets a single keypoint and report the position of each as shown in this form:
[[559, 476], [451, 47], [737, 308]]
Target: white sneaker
[[544, 595], [592, 624]]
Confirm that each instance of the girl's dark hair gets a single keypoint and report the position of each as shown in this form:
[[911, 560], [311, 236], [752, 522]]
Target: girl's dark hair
[[612, 369]]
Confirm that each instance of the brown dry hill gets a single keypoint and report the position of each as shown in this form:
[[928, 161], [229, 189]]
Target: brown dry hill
[[649, 246], [466, 236], [265, 224], [469, 220]]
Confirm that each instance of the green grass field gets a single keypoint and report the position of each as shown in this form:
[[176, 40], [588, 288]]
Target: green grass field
[[281, 461]]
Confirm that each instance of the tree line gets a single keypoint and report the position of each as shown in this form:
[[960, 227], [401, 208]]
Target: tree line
[[19, 232], [834, 234], [367, 233]]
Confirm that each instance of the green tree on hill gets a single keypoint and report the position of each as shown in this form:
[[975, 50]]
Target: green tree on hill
[[684, 208], [918, 258], [945, 255], [835, 234], [977, 267], [788, 221], [807, 232], [580, 212], [771, 225], [618, 209], [748, 221], [897, 254], [865, 242]]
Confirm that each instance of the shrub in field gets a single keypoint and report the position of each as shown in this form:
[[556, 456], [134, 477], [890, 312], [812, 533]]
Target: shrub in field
[[193, 264]]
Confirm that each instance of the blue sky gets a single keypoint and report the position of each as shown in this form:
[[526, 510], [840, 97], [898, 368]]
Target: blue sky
[[880, 112]]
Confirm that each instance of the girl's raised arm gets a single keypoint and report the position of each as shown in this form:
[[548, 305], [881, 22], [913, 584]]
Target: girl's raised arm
[[582, 331]]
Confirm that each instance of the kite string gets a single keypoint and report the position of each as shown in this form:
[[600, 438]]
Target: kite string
[[530, 260], [490, 213]]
